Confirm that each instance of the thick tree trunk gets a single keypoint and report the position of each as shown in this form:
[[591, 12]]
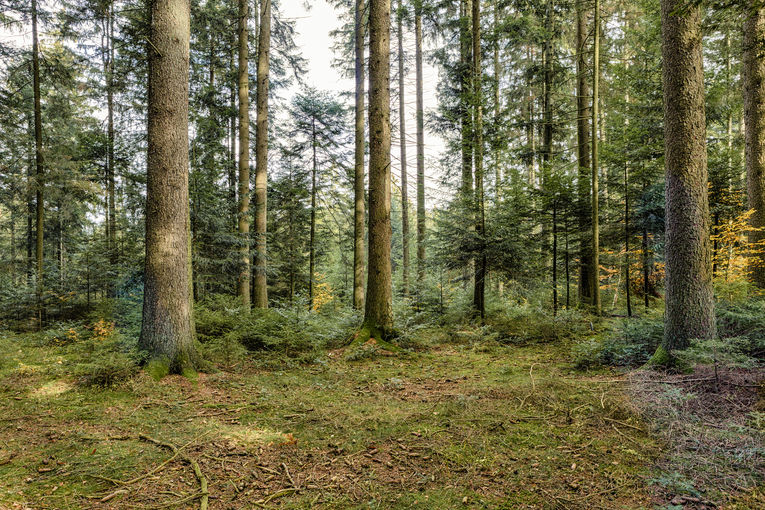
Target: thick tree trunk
[[595, 255], [420, 149], [689, 299], [479, 285], [402, 141], [358, 169], [261, 156], [753, 74], [39, 166], [378, 318], [243, 216], [583, 156], [167, 331]]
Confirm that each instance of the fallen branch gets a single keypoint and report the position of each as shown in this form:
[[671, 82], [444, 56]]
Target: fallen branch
[[624, 424], [203, 494]]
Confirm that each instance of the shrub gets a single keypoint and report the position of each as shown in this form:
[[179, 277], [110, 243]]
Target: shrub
[[632, 344]]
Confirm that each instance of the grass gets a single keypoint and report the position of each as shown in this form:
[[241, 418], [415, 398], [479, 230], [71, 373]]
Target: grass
[[454, 425]]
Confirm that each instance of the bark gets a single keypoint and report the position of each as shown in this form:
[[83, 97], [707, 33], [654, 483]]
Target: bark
[[479, 285], [595, 255], [39, 166], [420, 147], [112, 215], [583, 156], [261, 156], [358, 175], [753, 74], [243, 216], [232, 168], [312, 239], [167, 330], [466, 122], [689, 300], [402, 139], [378, 318]]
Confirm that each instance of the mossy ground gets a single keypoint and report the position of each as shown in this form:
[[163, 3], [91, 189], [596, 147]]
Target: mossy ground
[[450, 426]]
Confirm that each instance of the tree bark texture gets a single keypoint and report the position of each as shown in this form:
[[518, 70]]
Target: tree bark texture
[[359, 212], [261, 156]]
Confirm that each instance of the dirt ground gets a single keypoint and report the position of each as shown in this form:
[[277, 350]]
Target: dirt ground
[[451, 427]]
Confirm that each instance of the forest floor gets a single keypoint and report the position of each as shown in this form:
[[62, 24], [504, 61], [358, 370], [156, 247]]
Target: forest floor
[[451, 426]]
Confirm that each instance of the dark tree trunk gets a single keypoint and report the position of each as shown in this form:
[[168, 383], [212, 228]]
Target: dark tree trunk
[[479, 288], [39, 166], [167, 331], [420, 149], [583, 156], [753, 74], [689, 299]]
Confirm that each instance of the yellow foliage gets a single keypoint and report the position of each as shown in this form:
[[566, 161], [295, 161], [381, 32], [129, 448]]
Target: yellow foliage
[[322, 292], [102, 329], [734, 253]]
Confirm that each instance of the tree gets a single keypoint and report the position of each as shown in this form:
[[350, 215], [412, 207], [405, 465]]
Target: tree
[[420, 144], [595, 256], [586, 281], [402, 142], [479, 283], [358, 168], [261, 156], [243, 284], [753, 74], [378, 316], [39, 167], [689, 301], [167, 329]]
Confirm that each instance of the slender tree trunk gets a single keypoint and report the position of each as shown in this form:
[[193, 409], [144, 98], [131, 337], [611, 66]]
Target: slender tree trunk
[[232, 169], [689, 299], [167, 331], [420, 148], [753, 74], [466, 122], [530, 140], [583, 152], [547, 130], [312, 238], [480, 267], [30, 198], [261, 156], [402, 139], [595, 285], [39, 166], [243, 216], [358, 171], [378, 317], [112, 241], [497, 106]]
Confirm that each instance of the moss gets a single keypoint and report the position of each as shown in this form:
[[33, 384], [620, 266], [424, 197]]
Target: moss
[[369, 333], [158, 368], [661, 358]]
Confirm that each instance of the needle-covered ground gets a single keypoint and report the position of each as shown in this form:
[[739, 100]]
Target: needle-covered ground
[[454, 425]]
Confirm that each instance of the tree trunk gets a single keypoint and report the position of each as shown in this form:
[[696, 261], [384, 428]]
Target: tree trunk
[[261, 156], [378, 317], [547, 128], [243, 217], [358, 171], [689, 299], [39, 166], [112, 216], [232, 168], [167, 330], [420, 149], [312, 238], [466, 122], [479, 285], [583, 152], [595, 255], [402, 139], [753, 74]]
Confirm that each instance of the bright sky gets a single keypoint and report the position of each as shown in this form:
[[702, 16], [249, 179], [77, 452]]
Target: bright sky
[[314, 27]]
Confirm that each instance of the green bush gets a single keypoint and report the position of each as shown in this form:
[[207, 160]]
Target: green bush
[[522, 325], [632, 343]]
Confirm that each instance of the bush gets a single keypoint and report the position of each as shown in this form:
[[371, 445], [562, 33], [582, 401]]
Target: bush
[[521, 325], [632, 344]]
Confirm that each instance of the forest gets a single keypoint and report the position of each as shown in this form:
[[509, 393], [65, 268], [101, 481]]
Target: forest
[[513, 257]]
